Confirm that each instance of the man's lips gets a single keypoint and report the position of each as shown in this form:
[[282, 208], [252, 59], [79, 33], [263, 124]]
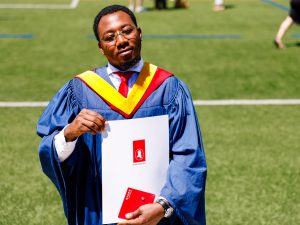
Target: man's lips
[[125, 51]]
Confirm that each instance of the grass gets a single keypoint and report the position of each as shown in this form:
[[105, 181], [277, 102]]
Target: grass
[[253, 164], [27, 196], [249, 67], [252, 151], [252, 155], [12, 2]]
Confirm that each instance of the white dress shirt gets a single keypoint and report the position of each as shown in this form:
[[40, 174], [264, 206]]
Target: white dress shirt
[[64, 149]]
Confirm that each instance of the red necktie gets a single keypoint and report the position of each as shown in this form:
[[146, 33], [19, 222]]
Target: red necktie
[[124, 76]]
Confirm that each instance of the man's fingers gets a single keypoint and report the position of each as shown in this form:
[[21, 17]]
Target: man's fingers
[[84, 128], [149, 214], [93, 121], [129, 216], [134, 214], [94, 114]]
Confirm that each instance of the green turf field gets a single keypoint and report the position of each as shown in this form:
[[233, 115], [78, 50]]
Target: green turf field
[[252, 151], [11, 2]]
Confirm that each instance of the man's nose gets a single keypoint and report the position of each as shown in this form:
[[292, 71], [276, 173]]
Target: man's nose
[[120, 39]]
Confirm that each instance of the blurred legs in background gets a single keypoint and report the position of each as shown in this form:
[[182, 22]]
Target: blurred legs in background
[[219, 5], [136, 6], [160, 4], [181, 4], [285, 25], [293, 17]]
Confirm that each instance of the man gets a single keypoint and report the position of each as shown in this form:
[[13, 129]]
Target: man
[[71, 126]]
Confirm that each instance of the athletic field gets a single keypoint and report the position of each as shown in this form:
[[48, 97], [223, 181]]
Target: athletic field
[[252, 149]]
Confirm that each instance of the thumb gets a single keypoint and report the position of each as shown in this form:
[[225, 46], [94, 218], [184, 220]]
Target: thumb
[[133, 215]]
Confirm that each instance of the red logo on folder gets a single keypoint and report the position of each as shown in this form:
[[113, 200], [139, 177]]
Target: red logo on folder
[[139, 151], [133, 200]]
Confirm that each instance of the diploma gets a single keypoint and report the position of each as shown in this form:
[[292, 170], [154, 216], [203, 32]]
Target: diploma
[[135, 155]]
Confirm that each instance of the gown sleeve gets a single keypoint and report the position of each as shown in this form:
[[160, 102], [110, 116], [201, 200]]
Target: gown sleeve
[[185, 185], [61, 110]]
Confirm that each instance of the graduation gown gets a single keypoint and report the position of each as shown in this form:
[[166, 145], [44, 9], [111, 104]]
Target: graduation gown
[[78, 178]]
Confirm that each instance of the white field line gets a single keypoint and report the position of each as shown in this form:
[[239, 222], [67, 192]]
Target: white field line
[[249, 102], [22, 104], [196, 102], [72, 5]]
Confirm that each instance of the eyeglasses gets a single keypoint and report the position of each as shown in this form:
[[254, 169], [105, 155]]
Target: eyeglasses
[[127, 32]]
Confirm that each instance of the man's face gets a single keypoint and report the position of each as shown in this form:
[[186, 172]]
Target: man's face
[[120, 40]]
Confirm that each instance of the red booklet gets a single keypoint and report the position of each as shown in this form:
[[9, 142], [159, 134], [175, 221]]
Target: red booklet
[[133, 200]]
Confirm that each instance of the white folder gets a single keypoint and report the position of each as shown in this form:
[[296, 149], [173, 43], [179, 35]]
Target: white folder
[[119, 171]]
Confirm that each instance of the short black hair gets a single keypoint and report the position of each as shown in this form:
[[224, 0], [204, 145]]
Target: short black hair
[[109, 10]]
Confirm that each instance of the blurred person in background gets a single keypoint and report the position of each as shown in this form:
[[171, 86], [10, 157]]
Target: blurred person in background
[[71, 128], [136, 6], [161, 4], [218, 5], [293, 17], [181, 4]]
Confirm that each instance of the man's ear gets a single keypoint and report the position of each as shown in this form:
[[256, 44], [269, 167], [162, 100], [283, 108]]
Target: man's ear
[[140, 32], [100, 48]]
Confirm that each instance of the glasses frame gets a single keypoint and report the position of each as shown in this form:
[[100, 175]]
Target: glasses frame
[[122, 32]]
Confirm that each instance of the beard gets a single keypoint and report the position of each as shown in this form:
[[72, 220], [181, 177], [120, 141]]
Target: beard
[[128, 64]]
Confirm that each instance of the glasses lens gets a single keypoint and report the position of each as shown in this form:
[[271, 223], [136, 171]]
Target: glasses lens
[[128, 32]]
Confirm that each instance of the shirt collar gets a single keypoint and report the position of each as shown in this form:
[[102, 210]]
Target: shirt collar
[[136, 67]]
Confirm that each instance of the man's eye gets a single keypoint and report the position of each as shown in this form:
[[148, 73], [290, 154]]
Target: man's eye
[[109, 37], [127, 31]]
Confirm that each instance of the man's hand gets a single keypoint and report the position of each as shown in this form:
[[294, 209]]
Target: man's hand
[[86, 121], [149, 214]]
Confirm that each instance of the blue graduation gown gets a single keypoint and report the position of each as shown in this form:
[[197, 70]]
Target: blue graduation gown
[[78, 178]]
